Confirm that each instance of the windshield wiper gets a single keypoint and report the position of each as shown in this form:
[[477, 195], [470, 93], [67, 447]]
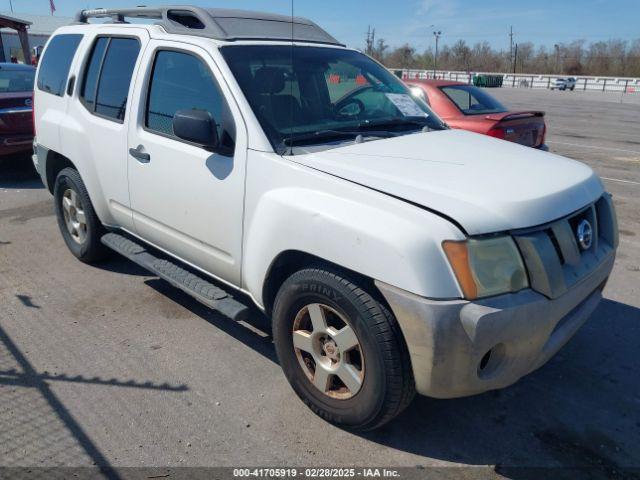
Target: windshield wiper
[[324, 135], [394, 122], [417, 122]]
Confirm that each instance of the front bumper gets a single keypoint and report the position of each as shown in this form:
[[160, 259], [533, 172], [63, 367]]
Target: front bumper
[[449, 341]]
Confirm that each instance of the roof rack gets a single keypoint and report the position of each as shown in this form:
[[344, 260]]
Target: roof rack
[[218, 23]]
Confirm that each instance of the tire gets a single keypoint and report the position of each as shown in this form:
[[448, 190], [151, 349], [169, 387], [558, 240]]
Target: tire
[[85, 242], [386, 381], [572, 88]]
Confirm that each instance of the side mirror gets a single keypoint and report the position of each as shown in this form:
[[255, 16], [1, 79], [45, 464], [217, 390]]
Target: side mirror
[[197, 126]]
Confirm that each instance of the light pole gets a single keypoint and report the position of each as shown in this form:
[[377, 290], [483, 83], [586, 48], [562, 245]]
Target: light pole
[[435, 59]]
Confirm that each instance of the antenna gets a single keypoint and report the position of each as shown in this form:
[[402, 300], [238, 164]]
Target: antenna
[[291, 78]]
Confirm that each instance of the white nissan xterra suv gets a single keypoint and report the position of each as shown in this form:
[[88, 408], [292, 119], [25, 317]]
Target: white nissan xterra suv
[[241, 155]]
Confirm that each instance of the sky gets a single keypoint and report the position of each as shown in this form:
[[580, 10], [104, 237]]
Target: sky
[[540, 21]]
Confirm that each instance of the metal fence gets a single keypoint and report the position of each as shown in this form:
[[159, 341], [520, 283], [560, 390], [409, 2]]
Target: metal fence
[[521, 80]]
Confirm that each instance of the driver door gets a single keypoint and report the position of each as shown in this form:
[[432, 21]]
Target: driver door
[[186, 199]]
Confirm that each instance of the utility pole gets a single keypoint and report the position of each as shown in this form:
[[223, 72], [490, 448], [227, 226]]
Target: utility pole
[[515, 59], [371, 38], [373, 41], [435, 59], [557, 47], [511, 45], [11, 6]]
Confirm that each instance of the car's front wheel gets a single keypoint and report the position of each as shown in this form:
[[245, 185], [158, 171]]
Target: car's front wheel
[[80, 226], [341, 350]]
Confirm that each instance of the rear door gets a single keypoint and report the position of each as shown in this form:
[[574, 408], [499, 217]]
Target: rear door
[[186, 199], [95, 130]]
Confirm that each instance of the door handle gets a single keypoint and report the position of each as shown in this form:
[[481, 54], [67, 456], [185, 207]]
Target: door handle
[[139, 155]]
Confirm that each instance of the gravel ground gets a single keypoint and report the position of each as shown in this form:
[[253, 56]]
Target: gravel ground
[[110, 366]]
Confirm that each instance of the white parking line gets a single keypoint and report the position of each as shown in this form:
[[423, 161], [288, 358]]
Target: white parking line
[[621, 181], [595, 147]]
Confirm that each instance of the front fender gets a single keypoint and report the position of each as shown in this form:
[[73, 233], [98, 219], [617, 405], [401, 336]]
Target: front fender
[[365, 231]]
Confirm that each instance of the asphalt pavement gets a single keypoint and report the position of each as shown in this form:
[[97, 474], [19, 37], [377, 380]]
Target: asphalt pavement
[[107, 365]]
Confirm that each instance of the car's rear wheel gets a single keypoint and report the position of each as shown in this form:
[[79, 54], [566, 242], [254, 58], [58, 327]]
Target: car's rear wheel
[[341, 350], [80, 226]]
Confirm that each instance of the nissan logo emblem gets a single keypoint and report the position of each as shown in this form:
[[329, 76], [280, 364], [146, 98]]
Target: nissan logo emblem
[[585, 235]]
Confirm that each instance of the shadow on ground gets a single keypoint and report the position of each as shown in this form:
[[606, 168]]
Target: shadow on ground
[[36, 426], [17, 172]]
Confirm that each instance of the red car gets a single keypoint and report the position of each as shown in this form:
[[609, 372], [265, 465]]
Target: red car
[[471, 108], [16, 112]]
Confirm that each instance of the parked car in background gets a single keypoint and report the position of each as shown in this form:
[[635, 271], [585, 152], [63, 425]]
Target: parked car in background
[[564, 84], [16, 109], [471, 108]]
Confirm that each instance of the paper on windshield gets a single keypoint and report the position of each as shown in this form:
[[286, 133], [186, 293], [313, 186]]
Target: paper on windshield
[[406, 105]]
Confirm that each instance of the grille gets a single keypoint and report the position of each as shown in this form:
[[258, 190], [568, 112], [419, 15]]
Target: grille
[[554, 260]]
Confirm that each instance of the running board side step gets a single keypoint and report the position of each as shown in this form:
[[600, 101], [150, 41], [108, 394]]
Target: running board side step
[[168, 269]]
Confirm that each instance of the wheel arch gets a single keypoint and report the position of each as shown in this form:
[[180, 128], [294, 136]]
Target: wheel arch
[[288, 262], [54, 164]]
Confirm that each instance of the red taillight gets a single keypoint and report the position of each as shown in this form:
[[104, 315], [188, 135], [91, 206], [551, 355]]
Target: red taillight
[[497, 133]]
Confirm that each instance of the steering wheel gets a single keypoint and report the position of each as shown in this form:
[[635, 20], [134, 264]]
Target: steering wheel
[[352, 108], [349, 106]]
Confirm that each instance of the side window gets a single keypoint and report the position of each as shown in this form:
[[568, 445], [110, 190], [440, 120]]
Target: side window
[[56, 63], [90, 83], [107, 78], [462, 98], [182, 81]]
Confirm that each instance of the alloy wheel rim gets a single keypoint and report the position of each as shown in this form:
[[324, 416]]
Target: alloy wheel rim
[[328, 351], [74, 215]]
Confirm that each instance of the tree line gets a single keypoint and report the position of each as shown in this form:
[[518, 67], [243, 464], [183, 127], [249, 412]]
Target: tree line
[[616, 58]]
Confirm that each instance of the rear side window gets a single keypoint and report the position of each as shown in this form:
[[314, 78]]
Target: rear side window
[[472, 100], [16, 80], [56, 63], [88, 91], [108, 76]]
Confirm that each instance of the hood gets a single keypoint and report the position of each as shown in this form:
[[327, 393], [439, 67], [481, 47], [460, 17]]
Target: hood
[[484, 184]]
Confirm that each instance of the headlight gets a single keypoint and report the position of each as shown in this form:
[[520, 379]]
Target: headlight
[[418, 93], [486, 267]]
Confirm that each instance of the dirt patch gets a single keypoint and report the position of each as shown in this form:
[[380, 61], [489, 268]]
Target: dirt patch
[[20, 215]]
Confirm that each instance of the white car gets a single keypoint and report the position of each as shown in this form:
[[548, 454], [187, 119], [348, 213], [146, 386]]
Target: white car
[[392, 254], [564, 84]]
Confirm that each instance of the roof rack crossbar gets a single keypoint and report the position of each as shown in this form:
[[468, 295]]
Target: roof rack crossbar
[[158, 13]]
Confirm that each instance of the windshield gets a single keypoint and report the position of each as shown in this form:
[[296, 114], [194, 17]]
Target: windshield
[[320, 95], [472, 100], [16, 80]]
